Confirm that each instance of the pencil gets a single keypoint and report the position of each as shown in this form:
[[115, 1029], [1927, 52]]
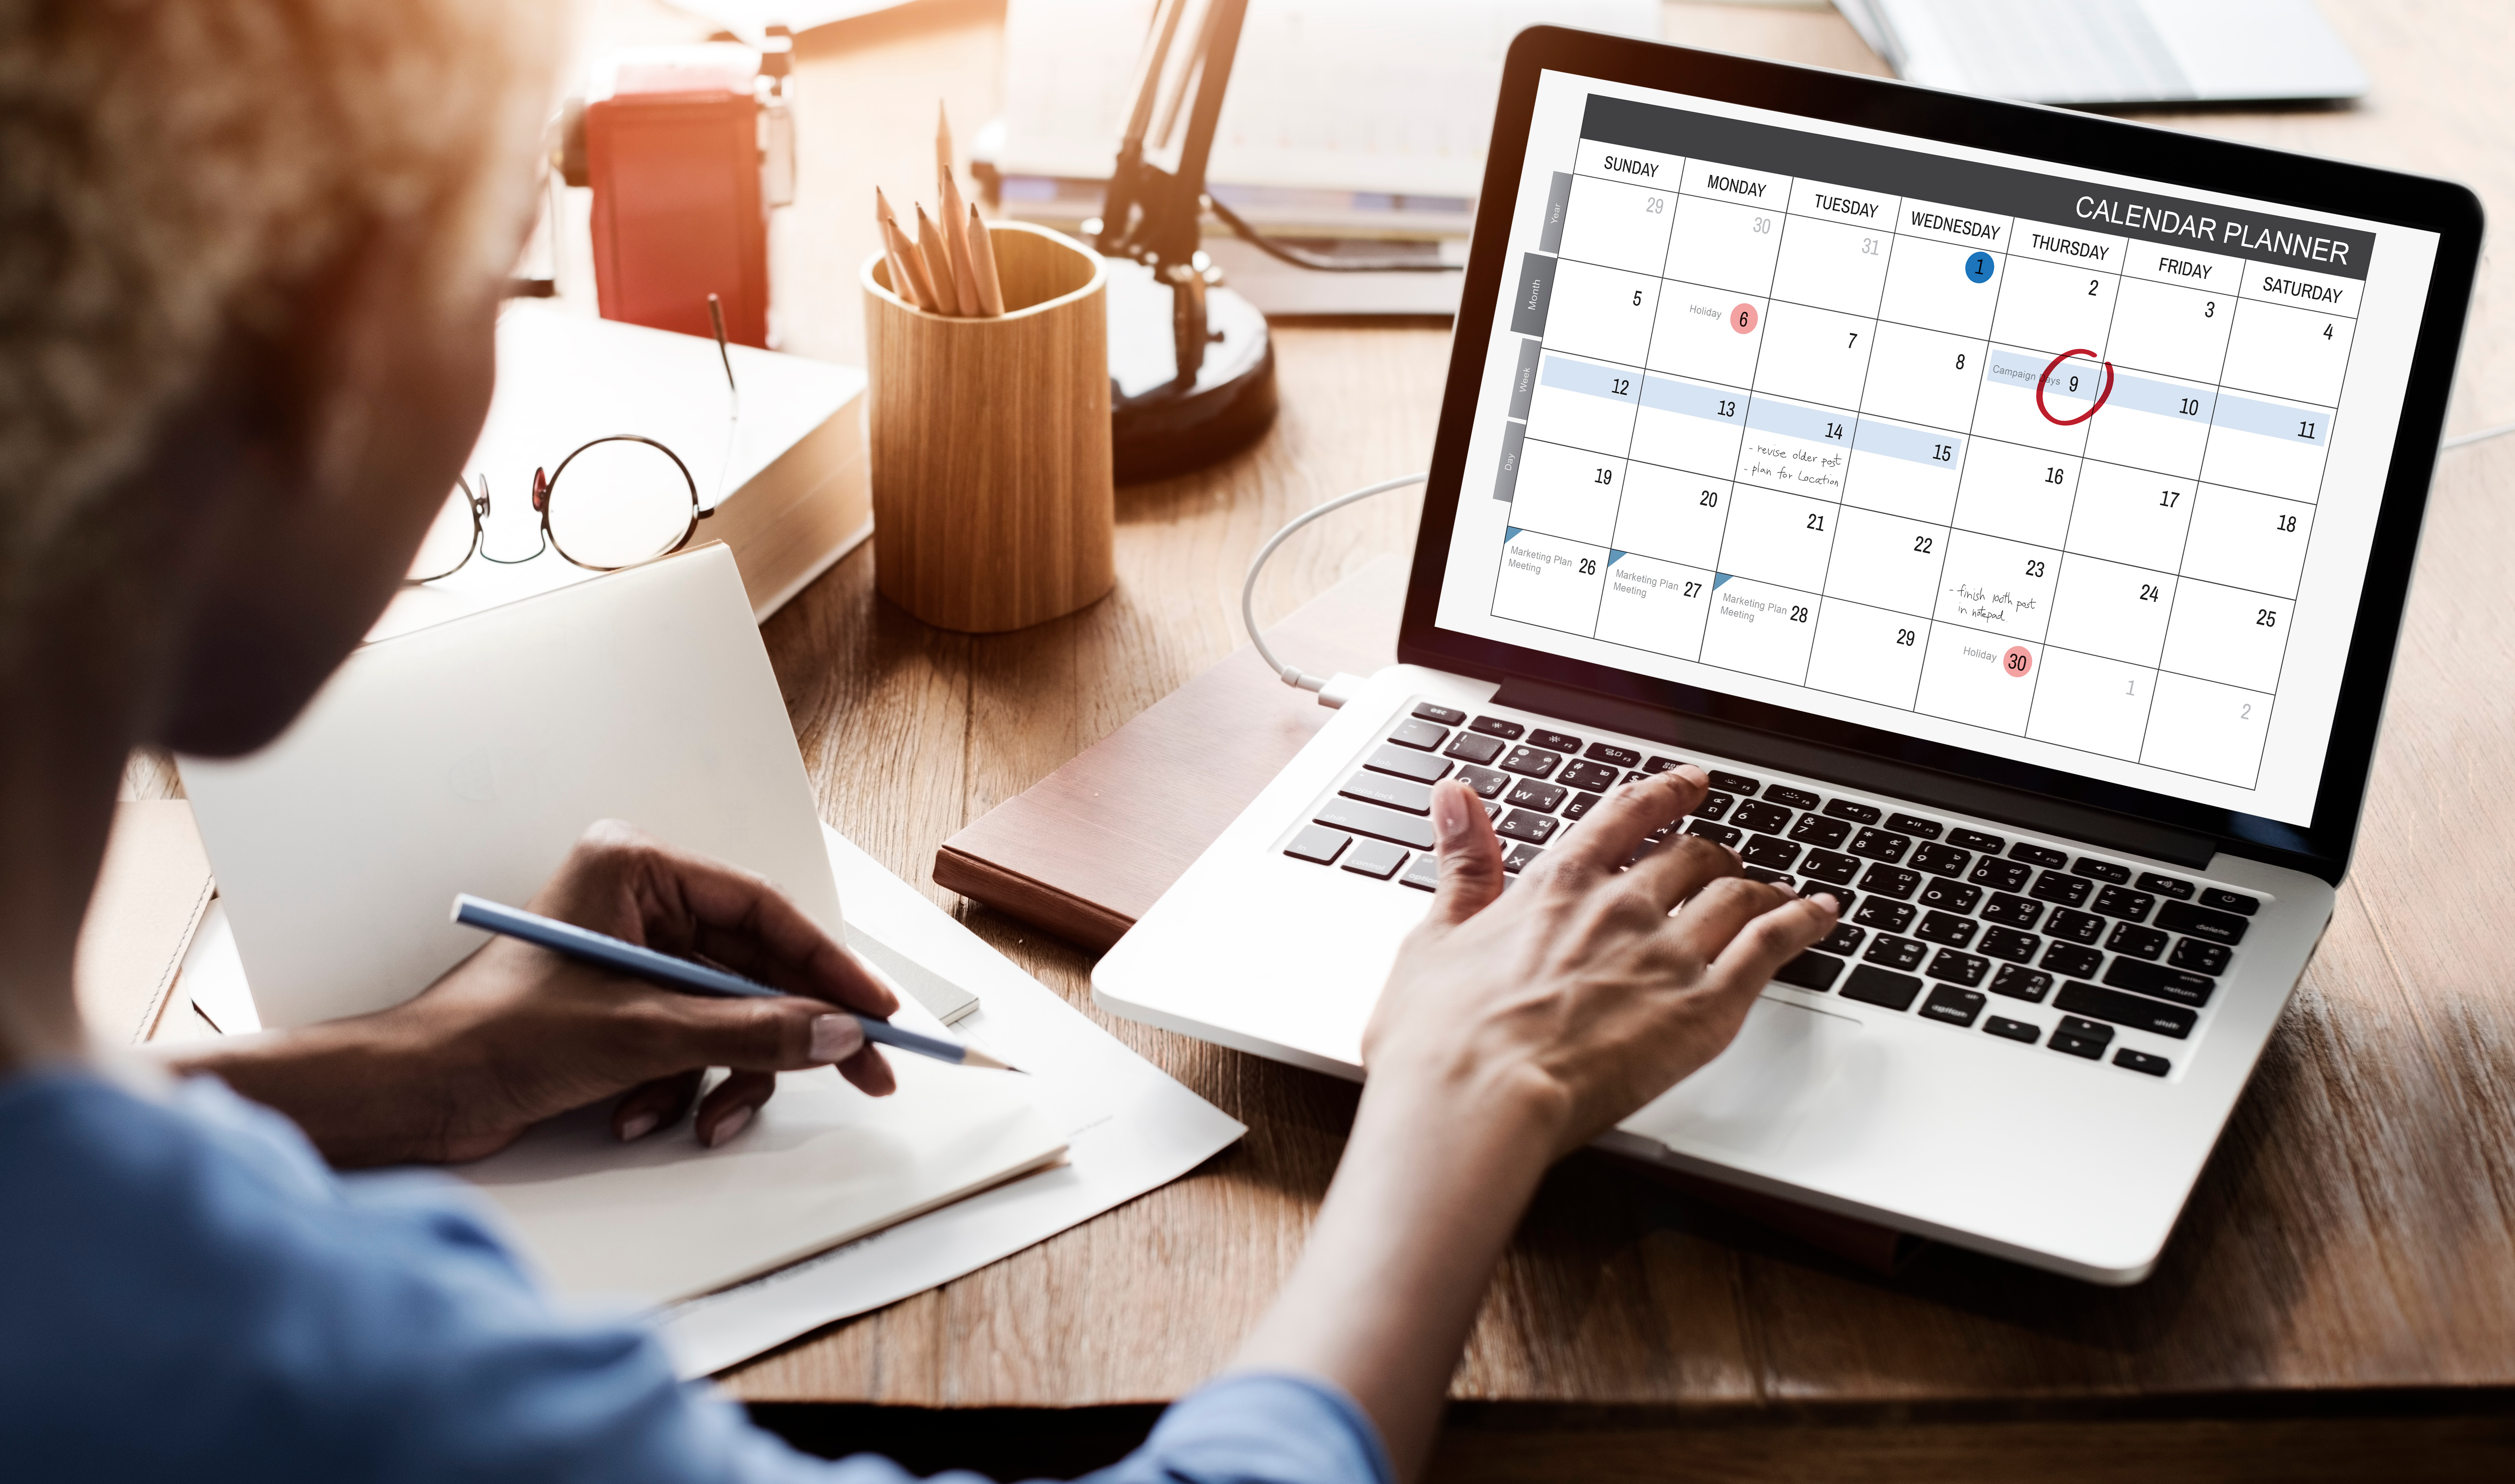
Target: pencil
[[982, 258], [914, 285], [938, 262], [688, 977], [964, 276], [942, 153], [887, 226]]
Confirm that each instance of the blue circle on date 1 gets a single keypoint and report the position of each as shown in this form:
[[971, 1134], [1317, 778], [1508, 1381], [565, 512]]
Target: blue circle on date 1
[[1978, 268]]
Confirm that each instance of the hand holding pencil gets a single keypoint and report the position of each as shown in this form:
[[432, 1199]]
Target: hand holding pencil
[[950, 267]]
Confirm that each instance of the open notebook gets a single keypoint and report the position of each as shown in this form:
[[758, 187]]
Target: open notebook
[[469, 757]]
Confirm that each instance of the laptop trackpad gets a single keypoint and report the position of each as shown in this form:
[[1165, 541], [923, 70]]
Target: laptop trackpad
[[1787, 1062]]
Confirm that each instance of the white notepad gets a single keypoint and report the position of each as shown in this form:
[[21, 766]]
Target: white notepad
[[822, 1164], [468, 758]]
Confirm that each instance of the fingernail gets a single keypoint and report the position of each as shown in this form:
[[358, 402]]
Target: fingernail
[[1832, 904], [1450, 813], [638, 1128], [835, 1038], [732, 1124]]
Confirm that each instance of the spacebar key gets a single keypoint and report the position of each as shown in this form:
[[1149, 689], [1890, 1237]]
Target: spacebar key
[[1376, 822]]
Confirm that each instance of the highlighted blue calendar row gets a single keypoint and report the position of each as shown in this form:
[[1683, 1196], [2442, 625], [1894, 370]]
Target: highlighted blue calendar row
[[1899, 447], [2099, 682]]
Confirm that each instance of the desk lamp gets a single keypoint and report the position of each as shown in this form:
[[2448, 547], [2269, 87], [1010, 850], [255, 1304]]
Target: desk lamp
[[1191, 368]]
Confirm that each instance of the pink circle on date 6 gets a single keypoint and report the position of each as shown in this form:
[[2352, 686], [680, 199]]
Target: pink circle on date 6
[[2017, 661], [1743, 320]]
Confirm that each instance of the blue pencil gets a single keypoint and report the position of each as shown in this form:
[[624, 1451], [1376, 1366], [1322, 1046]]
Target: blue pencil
[[684, 976]]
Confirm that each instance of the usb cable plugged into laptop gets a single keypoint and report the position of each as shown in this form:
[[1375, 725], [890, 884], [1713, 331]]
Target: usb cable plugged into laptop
[[1333, 690]]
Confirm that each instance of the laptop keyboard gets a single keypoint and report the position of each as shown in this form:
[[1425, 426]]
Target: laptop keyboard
[[2025, 940]]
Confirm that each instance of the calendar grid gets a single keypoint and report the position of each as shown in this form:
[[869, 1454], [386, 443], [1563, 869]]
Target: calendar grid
[[2183, 551], [1746, 407], [2286, 647], [1917, 508], [2061, 560], [1713, 665], [2163, 474], [1641, 379], [1867, 368], [1643, 368], [1962, 530]]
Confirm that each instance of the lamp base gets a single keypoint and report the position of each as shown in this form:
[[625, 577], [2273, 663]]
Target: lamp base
[[1163, 422]]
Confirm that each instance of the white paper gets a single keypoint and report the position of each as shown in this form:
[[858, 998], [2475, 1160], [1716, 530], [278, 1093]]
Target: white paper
[[214, 976], [821, 1164], [471, 757], [1130, 1130]]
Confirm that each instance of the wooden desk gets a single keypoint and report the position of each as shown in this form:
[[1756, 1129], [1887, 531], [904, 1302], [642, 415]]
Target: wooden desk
[[2347, 1255]]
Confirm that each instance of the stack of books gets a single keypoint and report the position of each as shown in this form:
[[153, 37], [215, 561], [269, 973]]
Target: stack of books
[[782, 459]]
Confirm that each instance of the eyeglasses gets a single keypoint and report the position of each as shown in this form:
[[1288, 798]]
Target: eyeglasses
[[613, 503]]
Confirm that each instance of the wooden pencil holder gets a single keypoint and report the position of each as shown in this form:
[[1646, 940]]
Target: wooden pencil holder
[[992, 500]]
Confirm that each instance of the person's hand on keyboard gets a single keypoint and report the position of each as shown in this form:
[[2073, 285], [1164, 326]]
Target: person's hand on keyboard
[[1516, 1026], [1578, 996], [516, 1034]]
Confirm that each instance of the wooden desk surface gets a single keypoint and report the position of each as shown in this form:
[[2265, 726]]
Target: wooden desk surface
[[2352, 1232]]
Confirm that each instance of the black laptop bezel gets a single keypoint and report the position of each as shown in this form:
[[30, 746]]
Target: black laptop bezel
[[2059, 138]]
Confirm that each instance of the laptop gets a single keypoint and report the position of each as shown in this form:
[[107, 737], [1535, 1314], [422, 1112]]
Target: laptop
[[2011, 510]]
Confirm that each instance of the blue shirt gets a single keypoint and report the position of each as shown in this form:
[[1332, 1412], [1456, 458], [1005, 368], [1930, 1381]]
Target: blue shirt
[[186, 1291]]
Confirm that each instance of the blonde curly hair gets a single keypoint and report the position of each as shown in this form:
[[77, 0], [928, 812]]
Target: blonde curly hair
[[170, 169]]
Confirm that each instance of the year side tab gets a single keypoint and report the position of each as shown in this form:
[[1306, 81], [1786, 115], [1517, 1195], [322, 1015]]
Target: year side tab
[[1634, 167], [1847, 204], [1732, 183]]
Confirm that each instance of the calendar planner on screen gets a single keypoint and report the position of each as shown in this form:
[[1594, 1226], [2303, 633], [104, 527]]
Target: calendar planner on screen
[[2056, 466]]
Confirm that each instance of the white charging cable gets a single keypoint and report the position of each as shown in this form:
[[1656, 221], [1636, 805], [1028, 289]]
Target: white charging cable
[[1336, 689]]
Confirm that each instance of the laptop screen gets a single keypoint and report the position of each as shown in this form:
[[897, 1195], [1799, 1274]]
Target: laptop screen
[[2065, 467]]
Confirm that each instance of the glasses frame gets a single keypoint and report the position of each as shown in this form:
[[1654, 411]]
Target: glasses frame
[[477, 502]]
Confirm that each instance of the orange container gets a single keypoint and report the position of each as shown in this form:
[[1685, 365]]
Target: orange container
[[673, 154]]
